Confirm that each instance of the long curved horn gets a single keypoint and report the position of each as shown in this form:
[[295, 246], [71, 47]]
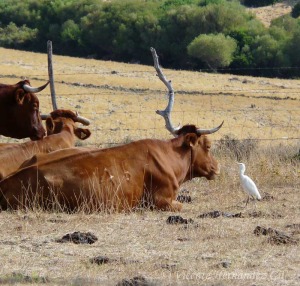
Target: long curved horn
[[29, 88], [209, 131], [44, 116], [167, 112], [82, 120], [78, 118]]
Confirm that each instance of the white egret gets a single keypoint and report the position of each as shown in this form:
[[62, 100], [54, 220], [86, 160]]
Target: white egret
[[248, 184]]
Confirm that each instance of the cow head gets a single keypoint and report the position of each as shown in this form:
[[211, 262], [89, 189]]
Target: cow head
[[26, 119], [203, 164], [60, 119]]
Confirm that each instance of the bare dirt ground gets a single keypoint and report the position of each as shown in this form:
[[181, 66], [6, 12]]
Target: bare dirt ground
[[121, 100]]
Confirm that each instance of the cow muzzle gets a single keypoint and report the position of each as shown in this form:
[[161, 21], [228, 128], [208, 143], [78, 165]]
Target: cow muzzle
[[215, 171], [38, 134], [218, 169]]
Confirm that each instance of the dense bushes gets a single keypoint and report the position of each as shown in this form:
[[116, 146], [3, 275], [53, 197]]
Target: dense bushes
[[13, 36], [124, 30]]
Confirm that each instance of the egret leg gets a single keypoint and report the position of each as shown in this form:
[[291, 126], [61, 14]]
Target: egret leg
[[255, 204], [247, 201]]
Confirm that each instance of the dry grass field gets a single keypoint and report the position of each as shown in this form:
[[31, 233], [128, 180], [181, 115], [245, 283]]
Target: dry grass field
[[268, 13], [121, 99]]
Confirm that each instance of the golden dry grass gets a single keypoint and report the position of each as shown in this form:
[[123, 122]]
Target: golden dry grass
[[121, 98], [220, 251]]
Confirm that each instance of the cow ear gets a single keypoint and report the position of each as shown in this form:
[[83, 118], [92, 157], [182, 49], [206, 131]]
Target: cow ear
[[20, 95], [82, 133], [50, 125], [190, 139]]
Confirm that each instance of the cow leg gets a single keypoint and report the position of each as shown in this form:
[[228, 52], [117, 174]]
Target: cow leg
[[176, 206], [167, 204]]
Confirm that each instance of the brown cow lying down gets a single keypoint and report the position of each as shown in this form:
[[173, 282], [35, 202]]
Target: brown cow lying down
[[61, 130], [118, 178]]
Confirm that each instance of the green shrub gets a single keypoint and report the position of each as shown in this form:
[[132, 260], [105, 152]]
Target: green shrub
[[11, 36], [215, 50]]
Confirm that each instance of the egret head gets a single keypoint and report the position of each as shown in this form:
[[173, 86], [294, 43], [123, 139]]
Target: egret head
[[242, 167]]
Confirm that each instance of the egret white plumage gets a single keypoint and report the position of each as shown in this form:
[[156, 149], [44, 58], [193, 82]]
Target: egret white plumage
[[248, 184]]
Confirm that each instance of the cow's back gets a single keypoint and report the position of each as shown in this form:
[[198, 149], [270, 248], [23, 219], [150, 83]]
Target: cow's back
[[20, 190], [81, 176], [114, 178]]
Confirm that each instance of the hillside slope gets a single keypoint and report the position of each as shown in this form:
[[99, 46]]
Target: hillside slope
[[268, 13], [121, 99]]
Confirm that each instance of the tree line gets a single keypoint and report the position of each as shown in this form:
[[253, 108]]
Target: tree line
[[188, 34]]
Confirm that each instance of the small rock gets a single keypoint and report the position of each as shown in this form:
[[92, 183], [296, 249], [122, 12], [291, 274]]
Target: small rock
[[215, 214], [212, 214], [184, 199], [256, 214], [100, 260], [275, 236], [226, 264], [260, 230], [176, 219], [79, 238], [135, 281], [281, 239], [232, 215], [183, 239]]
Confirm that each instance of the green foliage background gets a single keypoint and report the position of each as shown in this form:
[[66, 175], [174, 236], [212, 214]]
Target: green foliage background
[[124, 30]]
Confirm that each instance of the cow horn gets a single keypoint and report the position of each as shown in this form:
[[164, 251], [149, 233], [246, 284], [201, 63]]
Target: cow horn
[[29, 88], [167, 112], [78, 118], [83, 120], [44, 116], [209, 131]]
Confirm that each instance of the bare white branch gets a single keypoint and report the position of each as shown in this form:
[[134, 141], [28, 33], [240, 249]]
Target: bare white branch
[[167, 112]]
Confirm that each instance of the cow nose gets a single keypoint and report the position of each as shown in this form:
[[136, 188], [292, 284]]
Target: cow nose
[[39, 132], [216, 169]]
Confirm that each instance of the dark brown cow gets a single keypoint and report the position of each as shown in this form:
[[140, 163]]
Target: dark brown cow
[[147, 171], [61, 130], [19, 111]]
